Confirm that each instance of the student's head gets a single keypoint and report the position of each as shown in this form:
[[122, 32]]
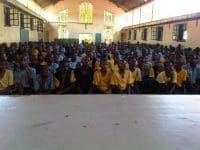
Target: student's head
[[3, 64], [23, 62], [50, 58], [191, 60], [103, 64], [132, 62], [168, 67], [44, 71], [160, 66], [64, 66], [179, 63], [86, 61], [121, 65], [141, 61]]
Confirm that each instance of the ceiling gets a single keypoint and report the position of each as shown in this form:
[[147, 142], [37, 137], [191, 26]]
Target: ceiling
[[126, 5], [45, 3]]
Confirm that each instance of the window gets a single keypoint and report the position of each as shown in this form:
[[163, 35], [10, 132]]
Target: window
[[108, 18], [135, 35], [63, 33], [27, 21], [22, 20], [40, 25], [34, 23], [7, 16], [144, 34], [14, 17], [180, 32], [86, 13], [157, 33], [63, 16], [129, 35], [11, 17]]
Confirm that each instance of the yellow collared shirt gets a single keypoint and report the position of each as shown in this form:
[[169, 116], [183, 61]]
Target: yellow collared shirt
[[6, 80], [102, 82], [122, 82], [162, 78], [181, 77]]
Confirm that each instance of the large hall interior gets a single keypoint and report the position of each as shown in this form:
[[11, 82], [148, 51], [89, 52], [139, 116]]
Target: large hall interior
[[99, 47]]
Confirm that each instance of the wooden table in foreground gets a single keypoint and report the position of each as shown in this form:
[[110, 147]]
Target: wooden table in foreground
[[100, 123]]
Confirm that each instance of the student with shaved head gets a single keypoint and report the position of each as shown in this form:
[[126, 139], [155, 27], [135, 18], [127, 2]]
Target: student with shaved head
[[101, 78], [121, 79], [181, 77], [84, 76]]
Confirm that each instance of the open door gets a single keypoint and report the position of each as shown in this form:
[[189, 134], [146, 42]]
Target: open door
[[88, 38]]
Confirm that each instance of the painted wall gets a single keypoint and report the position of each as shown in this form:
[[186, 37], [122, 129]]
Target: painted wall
[[75, 28], [8, 34], [12, 34], [193, 28]]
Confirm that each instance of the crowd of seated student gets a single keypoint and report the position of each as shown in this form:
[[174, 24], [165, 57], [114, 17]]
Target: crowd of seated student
[[118, 68]]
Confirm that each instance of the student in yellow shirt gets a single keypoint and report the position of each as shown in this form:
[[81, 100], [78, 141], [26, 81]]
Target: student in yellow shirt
[[136, 75], [167, 79], [121, 79], [181, 77], [6, 78], [101, 79]]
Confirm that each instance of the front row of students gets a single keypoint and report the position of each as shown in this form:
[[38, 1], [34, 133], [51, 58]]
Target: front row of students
[[84, 80]]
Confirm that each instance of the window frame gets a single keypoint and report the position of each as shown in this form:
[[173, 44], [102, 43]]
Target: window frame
[[40, 26], [144, 35], [129, 34], [27, 21], [83, 15], [155, 33], [135, 35], [66, 17], [11, 16], [176, 32], [107, 16]]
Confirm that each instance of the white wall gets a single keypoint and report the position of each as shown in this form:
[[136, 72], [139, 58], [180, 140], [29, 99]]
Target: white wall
[[193, 28]]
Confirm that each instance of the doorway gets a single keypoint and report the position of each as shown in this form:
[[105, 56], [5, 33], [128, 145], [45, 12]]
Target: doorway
[[88, 38]]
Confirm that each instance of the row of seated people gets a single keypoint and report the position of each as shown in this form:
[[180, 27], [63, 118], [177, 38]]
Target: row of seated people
[[99, 72], [84, 80]]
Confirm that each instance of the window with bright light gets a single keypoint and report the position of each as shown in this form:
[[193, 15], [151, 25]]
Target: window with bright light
[[63, 16], [11, 16], [108, 35], [180, 32], [25, 21], [63, 32], [108, 18], [86, 12], [144, 34], [157, 10], [157, 33]]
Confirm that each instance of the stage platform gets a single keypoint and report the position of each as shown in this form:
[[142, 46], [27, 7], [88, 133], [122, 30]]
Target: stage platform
[[116, 122]]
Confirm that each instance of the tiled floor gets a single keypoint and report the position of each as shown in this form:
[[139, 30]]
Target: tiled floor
[[100, 123]]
